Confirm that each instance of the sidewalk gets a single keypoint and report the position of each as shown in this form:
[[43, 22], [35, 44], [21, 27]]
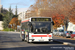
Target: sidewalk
[[13, 32], [65, 43], [10, 31]]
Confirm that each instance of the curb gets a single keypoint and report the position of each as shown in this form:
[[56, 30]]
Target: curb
[[73, 45], [58, 41], [14, 32], [65, 43], [10, 31]]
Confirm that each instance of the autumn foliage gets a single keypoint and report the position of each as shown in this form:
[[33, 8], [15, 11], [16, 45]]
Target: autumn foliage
[[72, 15], [58, 20], [14, 22], [60, 10]]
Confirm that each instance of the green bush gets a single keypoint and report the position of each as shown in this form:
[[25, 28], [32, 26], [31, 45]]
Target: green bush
[[8, 29]]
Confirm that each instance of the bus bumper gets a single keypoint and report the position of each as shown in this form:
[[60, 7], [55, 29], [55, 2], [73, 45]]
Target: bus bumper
[[33, 40]]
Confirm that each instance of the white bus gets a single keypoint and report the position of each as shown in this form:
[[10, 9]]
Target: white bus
[[37, 29]]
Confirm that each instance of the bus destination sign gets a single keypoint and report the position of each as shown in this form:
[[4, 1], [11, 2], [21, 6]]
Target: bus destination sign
[[40, 19]]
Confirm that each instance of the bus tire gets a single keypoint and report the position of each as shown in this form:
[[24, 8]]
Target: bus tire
[[22, 39]]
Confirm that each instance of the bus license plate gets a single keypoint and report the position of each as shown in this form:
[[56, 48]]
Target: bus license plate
[[41, 40]]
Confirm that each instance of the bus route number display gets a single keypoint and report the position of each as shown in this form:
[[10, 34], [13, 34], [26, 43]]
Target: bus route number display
[[41, 19]]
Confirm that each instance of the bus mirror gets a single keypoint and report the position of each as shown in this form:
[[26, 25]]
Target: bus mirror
[[52, 22]]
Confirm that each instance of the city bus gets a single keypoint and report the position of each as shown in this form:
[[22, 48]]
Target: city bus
[[37, 29]]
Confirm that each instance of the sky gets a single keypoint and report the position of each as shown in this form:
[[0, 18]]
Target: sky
[[22, 5]]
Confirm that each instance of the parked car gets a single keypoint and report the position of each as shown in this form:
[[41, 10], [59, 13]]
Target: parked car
[[68, 34], [73, 35], [55, 32], [60, 32]]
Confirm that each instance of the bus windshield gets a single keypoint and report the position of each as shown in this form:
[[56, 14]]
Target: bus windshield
[[43, 27]]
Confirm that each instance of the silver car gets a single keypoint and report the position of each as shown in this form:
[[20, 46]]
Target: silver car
[[61, 32], [55, 32]]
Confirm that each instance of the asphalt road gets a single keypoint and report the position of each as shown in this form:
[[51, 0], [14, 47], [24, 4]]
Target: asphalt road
[[12, 41]]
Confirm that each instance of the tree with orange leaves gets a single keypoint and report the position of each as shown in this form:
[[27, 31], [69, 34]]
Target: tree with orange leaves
[[14, 22], [52, 7], [72, 15], [58, 20]]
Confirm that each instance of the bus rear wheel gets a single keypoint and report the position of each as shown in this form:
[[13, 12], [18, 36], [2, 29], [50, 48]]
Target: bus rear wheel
[[22, 39]]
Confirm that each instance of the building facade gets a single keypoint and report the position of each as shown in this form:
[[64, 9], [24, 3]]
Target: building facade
[[71, 27], [1, 27], [21, 16]]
